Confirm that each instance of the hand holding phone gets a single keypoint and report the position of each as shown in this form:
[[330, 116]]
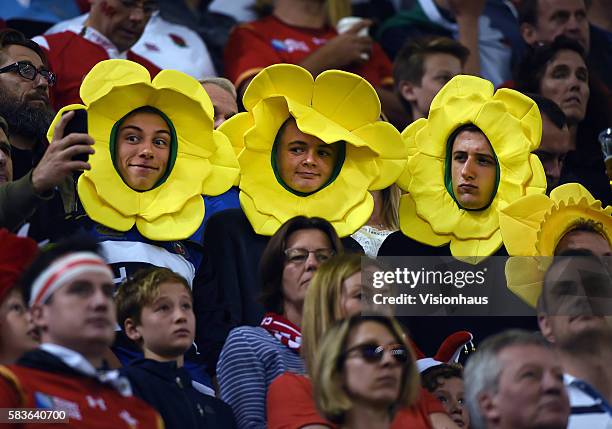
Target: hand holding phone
[[78, 124]]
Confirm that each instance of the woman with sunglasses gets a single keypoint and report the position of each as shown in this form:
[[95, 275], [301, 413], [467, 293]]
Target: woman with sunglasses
[[364, 372], [335, 294], [253, 357]]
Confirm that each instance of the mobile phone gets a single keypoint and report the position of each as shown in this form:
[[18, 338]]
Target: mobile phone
[[78, 124]]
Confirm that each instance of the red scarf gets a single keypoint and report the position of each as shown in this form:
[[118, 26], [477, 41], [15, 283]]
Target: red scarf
[[283, 330]]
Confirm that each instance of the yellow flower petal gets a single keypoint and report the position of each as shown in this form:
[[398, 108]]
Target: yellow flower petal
[[205, 161], [533, 226], [511, 122], [337, 106], [524, 278]]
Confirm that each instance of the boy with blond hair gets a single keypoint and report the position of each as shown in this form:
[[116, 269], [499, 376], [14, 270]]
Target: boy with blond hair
[[155, 308]]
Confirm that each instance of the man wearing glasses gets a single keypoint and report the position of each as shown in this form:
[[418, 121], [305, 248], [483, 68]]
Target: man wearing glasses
[[37, 170], [113, 27]]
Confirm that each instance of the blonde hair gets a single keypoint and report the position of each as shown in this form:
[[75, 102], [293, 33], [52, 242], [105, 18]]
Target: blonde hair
[[390, 209], [329, 389], [322, 303], [141, 290]]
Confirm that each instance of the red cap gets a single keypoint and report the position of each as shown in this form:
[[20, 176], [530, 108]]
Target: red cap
[[449, 350], [16, 253]]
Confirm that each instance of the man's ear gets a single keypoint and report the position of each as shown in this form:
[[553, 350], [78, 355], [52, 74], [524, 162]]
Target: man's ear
[[488, 407], [546, 327], [529, 33], [132, 330], [406, 90], [39, 316]]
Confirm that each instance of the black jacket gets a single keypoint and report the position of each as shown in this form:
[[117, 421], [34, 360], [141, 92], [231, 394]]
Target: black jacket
[[168, 389]]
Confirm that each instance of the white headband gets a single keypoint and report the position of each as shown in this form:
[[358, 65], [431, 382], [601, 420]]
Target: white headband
[[65, 269]]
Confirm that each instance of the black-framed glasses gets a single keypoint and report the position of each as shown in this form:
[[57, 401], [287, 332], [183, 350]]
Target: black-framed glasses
[[300, 256], [374, 353], [27, 71]]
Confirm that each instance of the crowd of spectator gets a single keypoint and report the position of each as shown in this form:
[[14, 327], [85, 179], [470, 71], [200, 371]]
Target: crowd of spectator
[[194, 195]]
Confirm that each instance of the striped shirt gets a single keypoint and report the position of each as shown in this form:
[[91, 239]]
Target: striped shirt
[[590, 410], [250, 360]]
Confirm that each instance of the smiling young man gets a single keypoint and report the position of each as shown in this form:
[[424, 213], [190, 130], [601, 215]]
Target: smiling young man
[[305, 163], [143, 149], [70, 293]]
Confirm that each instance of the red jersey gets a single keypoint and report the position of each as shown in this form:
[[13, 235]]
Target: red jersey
[[71, 56], [87, 402], [258, 44], [290, 405]]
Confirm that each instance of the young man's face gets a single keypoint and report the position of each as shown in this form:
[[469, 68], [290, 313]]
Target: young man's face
[[167, 325], [79, 315], [143, 150], [557, 17], [17, 332], [305, 162], [438, 69], [473, 170]]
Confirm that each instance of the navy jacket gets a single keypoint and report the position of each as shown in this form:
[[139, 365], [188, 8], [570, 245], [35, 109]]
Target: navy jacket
[[168, 389]]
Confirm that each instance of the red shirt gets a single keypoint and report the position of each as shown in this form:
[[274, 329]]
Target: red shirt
[[258, 44], [71, 56], [290, 405], [88, 403]]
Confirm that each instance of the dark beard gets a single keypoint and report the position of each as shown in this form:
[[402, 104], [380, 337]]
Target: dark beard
[[25, 120]]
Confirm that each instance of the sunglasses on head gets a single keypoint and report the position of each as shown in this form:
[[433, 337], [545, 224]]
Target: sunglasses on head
[[373, 353]]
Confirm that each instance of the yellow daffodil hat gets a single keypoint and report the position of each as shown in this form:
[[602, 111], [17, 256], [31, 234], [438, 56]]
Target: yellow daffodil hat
[[202, 161], [533, 226], [512, 123], [335, 107]]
